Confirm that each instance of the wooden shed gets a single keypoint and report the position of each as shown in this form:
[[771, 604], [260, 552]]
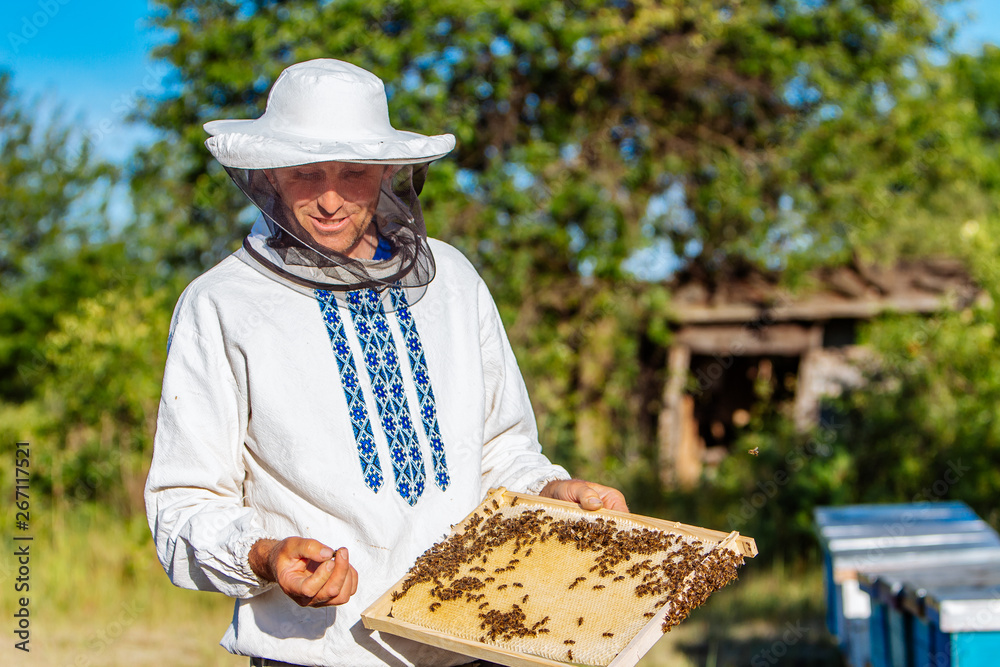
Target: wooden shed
[[803, 346]]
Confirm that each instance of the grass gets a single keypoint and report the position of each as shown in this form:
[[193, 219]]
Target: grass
[[98, 597]]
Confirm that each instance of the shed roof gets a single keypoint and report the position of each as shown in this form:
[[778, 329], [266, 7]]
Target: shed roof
[[847, 292]]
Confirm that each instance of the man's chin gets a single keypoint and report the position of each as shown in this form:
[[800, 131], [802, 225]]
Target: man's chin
[[355, 248]]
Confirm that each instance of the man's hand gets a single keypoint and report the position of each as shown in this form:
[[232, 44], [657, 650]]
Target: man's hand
[[589, 495], [308, 571]]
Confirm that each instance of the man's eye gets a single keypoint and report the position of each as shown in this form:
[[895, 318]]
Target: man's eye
[[308, 175]]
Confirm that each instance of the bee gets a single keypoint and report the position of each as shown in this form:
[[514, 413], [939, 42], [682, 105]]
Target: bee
[[524, 600], [513, 501], [598, 587], [569, 641], [434, 606], [608, 634], [569, 654], [579, 621], [754, 452]]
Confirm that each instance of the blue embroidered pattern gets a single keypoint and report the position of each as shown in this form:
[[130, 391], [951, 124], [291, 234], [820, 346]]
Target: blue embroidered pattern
[[384, 370], [382, 362], [425, 393], [363, 436]]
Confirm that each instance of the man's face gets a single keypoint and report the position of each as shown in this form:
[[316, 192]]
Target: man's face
[[333, 202]]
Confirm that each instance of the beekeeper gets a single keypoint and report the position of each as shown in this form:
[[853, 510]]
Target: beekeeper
[[339, 391]]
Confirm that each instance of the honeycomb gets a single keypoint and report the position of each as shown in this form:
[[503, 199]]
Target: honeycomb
[[556, 583]]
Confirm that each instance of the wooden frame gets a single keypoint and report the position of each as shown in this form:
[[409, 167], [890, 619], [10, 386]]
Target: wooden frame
[[376, 616]]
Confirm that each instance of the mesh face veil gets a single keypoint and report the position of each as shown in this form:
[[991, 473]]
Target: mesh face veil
[[333, 180], [322, 221]]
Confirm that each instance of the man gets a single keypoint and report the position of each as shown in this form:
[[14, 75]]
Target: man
[[339, 391]]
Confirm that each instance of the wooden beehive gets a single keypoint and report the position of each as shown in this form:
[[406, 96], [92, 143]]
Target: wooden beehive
[[526, 580]]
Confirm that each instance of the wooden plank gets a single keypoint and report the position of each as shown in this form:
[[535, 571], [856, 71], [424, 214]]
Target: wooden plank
[[743, 340], [824, 309]]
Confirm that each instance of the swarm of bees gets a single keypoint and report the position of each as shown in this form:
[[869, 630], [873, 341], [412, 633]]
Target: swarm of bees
[[632, 574]]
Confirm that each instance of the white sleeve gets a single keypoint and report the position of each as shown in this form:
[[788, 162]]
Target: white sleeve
[[194, 492], [512, 455]]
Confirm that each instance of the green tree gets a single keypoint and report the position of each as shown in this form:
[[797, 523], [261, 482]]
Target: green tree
[[52, 202], [924, 429], [83, 317], [726, 137]]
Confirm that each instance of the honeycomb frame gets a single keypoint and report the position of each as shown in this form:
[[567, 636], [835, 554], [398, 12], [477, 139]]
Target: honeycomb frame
[[503, 632]]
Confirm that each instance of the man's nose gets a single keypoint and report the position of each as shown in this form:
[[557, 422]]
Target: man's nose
[[329, 202]]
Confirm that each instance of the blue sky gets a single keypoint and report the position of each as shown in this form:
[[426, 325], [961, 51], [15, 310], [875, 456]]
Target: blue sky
[[93, 58], [90, 57]]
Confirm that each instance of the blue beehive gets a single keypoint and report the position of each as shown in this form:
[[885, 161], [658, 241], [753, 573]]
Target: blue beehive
[[946, 616], [892, 628], [886, 539], [963, 625]]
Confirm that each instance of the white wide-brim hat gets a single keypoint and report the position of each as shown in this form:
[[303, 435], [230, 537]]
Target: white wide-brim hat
[[318, 111]]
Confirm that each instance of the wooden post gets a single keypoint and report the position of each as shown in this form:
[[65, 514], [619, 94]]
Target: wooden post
[[671, 422], [807, 390]]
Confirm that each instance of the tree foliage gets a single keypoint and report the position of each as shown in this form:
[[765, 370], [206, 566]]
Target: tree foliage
[[51, 205], [595, 139], [717, 137], [82, 321], [924, 429]]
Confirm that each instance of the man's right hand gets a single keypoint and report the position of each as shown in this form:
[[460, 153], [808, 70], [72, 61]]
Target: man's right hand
[[308, 571]]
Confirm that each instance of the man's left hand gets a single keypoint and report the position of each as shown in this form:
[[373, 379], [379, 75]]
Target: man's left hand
[[588, 495]]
